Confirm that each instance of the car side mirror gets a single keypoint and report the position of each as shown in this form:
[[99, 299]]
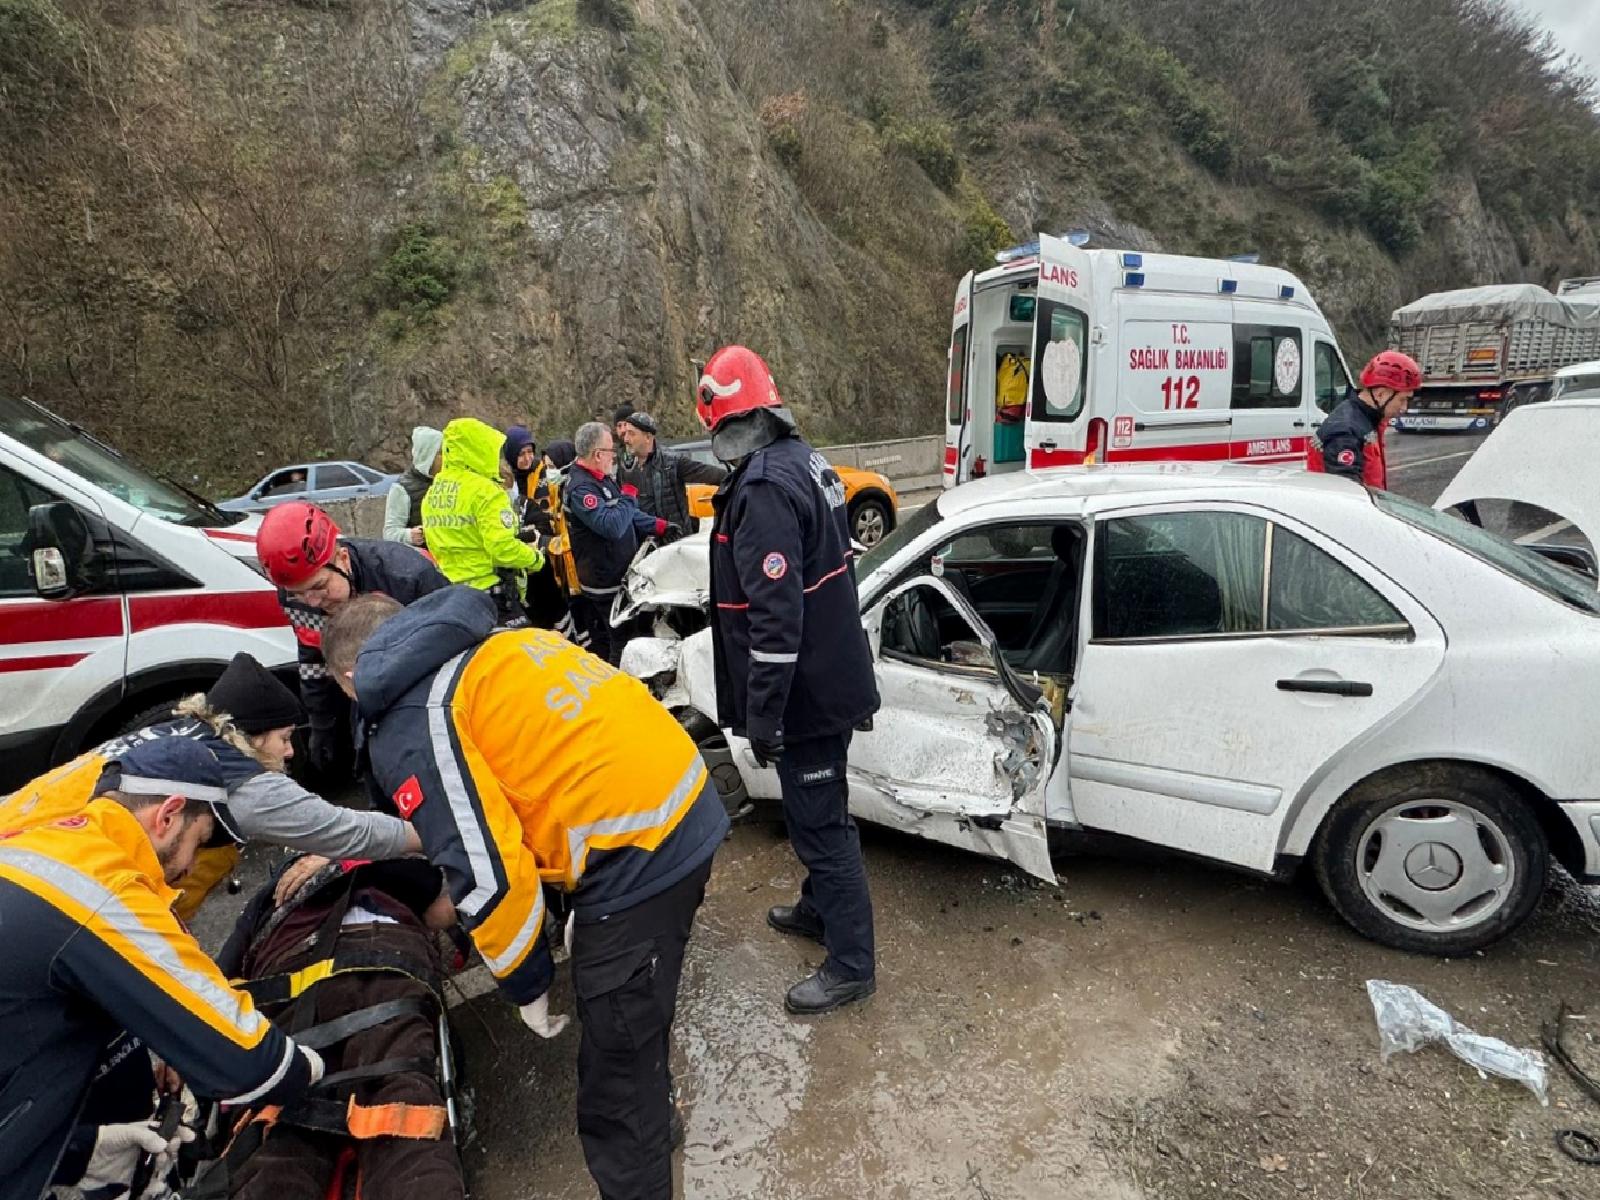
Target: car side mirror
[[60, 546], [1579, 558]]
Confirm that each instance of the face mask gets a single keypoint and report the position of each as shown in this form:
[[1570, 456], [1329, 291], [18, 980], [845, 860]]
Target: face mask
[[555, 474]]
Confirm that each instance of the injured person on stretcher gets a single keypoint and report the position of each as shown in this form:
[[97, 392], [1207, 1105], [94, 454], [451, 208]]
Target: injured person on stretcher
[[345, 957]]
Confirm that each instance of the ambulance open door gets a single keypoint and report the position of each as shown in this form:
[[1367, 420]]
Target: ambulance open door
[[1059, 432], [958, 429]]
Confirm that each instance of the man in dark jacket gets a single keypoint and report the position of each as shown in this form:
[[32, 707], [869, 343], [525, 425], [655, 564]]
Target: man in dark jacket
[[660, 477], [317, 572], [1350, 441], [793, 668], [605, 524]]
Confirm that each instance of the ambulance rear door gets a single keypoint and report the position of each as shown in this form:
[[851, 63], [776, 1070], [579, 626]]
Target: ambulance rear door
[[958, 430], [1174, 371], [1057, 429]]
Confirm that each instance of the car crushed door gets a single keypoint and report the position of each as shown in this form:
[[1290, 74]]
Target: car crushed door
[[960, 752]]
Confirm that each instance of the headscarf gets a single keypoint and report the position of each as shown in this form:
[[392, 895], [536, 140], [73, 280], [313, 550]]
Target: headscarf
[[518, 437]]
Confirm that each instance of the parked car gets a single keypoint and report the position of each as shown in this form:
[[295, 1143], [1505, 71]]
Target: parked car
[[874, 508], [1258, 666], [320, 482]]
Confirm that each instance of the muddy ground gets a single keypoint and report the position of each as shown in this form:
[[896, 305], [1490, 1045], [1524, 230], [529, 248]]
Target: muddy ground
[[1148, 1028]]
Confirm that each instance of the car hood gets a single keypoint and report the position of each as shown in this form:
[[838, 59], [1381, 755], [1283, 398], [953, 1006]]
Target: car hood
[[1543, 455]]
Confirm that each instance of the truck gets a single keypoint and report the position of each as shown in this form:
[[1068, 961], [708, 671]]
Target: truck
[[1487, 350]]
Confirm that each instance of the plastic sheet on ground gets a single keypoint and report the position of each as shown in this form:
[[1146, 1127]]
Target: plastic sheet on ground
[[1407, 1021]]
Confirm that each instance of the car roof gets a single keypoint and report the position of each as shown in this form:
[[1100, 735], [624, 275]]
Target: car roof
[[1155, 481], [1584, 368]]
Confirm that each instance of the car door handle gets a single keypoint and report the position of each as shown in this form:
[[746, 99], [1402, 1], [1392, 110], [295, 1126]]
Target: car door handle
[[1299, 424], [1326, 687], [1050, 445]]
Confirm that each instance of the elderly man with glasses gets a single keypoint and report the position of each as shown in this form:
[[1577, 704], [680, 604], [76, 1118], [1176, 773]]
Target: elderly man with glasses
[[605, 524]]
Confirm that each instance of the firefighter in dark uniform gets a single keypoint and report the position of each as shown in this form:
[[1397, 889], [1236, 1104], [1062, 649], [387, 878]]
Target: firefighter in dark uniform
[[1350, 441], [605, 524], [793, 668]]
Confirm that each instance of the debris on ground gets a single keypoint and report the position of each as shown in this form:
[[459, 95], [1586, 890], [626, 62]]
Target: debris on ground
[[1407, 1021]]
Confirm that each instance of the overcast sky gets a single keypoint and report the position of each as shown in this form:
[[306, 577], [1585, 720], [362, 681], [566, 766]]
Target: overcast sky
[[1575, 22]]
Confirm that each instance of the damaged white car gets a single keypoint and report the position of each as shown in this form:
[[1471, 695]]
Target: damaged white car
[[1257, 666]]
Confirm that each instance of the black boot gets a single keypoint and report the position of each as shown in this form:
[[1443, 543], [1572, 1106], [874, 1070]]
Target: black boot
[[824, 992], [794, 920]]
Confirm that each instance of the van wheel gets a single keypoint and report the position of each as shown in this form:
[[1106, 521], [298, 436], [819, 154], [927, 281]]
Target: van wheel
[[153, 715], [1433, 858], [869, 521]]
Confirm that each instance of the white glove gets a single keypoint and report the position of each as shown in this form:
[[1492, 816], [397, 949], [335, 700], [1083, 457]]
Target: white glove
[[536, 1016], [314, 1061], [118, 1150]]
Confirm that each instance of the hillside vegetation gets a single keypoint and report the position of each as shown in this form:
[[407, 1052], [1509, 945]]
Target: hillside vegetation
[[238, 232]]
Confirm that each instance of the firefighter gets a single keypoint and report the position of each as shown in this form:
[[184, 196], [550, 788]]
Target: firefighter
[[471, 528], [317, 570], [1350, 441], [660, 477], [605, 523], [793, 669], [525, 762], [92, 949]]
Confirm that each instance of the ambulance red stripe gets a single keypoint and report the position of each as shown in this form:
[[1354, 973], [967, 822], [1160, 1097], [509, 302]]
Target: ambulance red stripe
[[236, 610], [227, 535], [60, 620], [40, 662], [1205, 452]]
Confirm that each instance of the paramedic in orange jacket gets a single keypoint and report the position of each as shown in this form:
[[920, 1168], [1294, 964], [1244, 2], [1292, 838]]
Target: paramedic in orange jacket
[[87, 859], [524, 761]]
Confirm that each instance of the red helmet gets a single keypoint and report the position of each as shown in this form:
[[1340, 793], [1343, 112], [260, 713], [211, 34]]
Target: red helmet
[[296, 540], [735, 381], [1391, 369]]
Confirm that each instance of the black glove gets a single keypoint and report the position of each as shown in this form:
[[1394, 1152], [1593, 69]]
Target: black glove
[[533, 535], [672, 532], [323, 751], [767, 751]]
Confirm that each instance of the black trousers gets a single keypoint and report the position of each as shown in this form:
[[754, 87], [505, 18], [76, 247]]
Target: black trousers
[[592, 616], [825, 839], [625, 971]]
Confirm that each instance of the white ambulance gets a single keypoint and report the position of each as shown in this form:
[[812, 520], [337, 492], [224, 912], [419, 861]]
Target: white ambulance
[[119, 592], [1062, 356]]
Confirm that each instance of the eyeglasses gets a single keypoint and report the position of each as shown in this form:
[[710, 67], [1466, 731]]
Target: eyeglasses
[[605, 450]]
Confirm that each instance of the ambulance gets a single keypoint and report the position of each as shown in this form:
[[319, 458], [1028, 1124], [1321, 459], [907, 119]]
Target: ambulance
[[1062, 356], [119, 593]]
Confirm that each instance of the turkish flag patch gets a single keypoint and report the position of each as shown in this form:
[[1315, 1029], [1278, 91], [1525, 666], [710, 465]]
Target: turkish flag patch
[[408, 797], [1347, 458], [590, 500]]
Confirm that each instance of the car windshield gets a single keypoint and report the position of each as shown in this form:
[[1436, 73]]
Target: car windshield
[[912, 526], [79, 453], [1531, 568]]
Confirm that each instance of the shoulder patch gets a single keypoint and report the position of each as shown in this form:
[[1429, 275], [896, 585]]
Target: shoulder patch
[[590, 500], [1347, 458], [774, 566], [507, 519], [408, 797]]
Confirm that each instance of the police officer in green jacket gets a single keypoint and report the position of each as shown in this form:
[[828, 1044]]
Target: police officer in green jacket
[[468, 521]]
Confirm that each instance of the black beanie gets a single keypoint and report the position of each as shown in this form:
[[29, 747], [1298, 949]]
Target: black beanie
[[253, 697]]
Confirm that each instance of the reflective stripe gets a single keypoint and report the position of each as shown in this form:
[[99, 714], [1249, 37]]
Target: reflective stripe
[[578, 837], [829, 575], [501, 964], [106, 906], [768, 657], [599, 591], [143, 785], [273, 1080], [455, 790]]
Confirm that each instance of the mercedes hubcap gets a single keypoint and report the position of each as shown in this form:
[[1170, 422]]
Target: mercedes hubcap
[[1436, 865]]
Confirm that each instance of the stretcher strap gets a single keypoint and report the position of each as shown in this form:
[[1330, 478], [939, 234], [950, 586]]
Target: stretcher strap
[[280, 989], [332, 1032], [424, 1122], [389, 1066]]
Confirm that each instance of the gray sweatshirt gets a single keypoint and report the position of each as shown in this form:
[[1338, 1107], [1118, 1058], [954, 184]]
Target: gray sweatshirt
[[271, 807]]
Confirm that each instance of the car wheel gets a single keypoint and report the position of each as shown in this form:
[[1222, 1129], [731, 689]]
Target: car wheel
[[154, 715], [869, 521], [1436, 859]]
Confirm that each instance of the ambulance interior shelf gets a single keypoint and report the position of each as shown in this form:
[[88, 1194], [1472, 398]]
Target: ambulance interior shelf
[[1022, 579]]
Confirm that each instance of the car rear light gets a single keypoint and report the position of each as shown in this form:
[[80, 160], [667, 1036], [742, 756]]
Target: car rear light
[[1097, 440], [1491, 395]]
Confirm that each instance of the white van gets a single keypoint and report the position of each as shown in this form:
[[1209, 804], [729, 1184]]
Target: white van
[[119, 592], [1062, 356]]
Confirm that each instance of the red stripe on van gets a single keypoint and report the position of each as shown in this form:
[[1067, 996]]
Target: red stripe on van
[[60, 620], [224, 535], [40, 662], [237, 610], [1202, 452]]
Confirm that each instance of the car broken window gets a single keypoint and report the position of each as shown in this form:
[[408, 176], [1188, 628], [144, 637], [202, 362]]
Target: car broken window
[[1310, 590], [921, 626], [1174, 575]]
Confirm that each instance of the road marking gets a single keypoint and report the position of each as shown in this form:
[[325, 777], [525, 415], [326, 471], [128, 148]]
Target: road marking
[[1549, 530], [1422, 462]]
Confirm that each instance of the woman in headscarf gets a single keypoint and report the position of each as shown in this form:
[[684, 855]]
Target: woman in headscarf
[[546, 601]]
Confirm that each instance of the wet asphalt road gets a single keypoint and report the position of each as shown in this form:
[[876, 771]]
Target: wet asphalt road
[[1147, 1028]]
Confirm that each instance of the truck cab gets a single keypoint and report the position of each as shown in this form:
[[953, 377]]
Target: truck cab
[[1062, 356], [119, 593]]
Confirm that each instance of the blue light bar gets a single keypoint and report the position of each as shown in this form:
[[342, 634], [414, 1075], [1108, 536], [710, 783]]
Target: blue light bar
[[1286, 292], [1228, 286], [1133, 279], [1132, 262], [1027, 249], [1254, 256]]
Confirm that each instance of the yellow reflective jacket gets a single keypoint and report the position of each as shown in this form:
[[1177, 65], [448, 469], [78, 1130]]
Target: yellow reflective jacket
[[467, 516], [92, 948], [524, 761]]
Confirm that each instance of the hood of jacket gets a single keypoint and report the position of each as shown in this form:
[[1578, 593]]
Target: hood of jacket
[[425, 443], [474, 447], [416, 642]]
